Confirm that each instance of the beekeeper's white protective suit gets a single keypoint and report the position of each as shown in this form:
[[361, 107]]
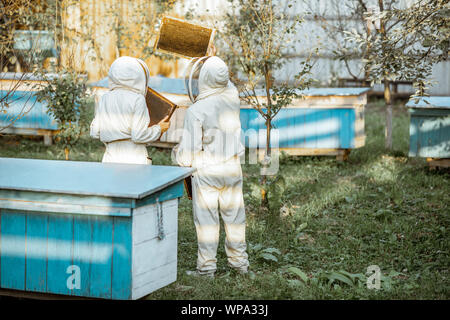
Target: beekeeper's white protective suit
[[211, 144], [121, 118]]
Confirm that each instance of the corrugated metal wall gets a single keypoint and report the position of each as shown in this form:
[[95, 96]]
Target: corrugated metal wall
[[311, 35]]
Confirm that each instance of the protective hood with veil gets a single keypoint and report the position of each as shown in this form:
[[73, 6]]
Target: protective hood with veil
[[121, 117], [212, 125], [128, 73], [211, 143]]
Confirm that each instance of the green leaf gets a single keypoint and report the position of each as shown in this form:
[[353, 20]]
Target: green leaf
[[353, 276], [296, 271], [183, 288], [268, 257], [256, 247], [272, 250], [294, 283], [302, 226], [394, 273], [340, 277]]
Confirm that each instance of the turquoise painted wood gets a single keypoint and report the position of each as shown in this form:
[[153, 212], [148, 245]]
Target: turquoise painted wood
[[36, 268], [26, 112], [12, 245], [329, 118], [59, 246], [429, 129], [82, 252], [43, 247], [303, 128], [100, 272]]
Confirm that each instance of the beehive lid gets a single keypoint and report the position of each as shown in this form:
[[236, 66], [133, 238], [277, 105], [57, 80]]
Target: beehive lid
[[88, 178], [158, 83], [324, 92], [27, 76], [334, 91], [429, 102]]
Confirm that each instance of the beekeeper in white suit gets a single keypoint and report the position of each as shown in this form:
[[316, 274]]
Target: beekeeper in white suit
[[121, 119], [211, 144]]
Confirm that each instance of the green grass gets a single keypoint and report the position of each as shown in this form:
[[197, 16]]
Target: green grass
[[326, 218]]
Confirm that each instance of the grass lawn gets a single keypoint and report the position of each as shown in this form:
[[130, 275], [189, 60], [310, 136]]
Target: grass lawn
[[328, 222]]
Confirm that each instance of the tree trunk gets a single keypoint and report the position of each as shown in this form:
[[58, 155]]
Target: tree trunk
[[388, 103], [268, 82], [66, 152], [387, 88], [268, 130], [369, 46], [264, 200]]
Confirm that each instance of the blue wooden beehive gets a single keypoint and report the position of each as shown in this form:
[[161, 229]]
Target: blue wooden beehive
[[113, 225], [328, 121], [25, 115], [429, 129], [325, 122], [171, 88]]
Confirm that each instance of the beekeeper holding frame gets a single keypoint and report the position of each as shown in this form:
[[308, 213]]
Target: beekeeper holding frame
[[211, 144], [121, 119]]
